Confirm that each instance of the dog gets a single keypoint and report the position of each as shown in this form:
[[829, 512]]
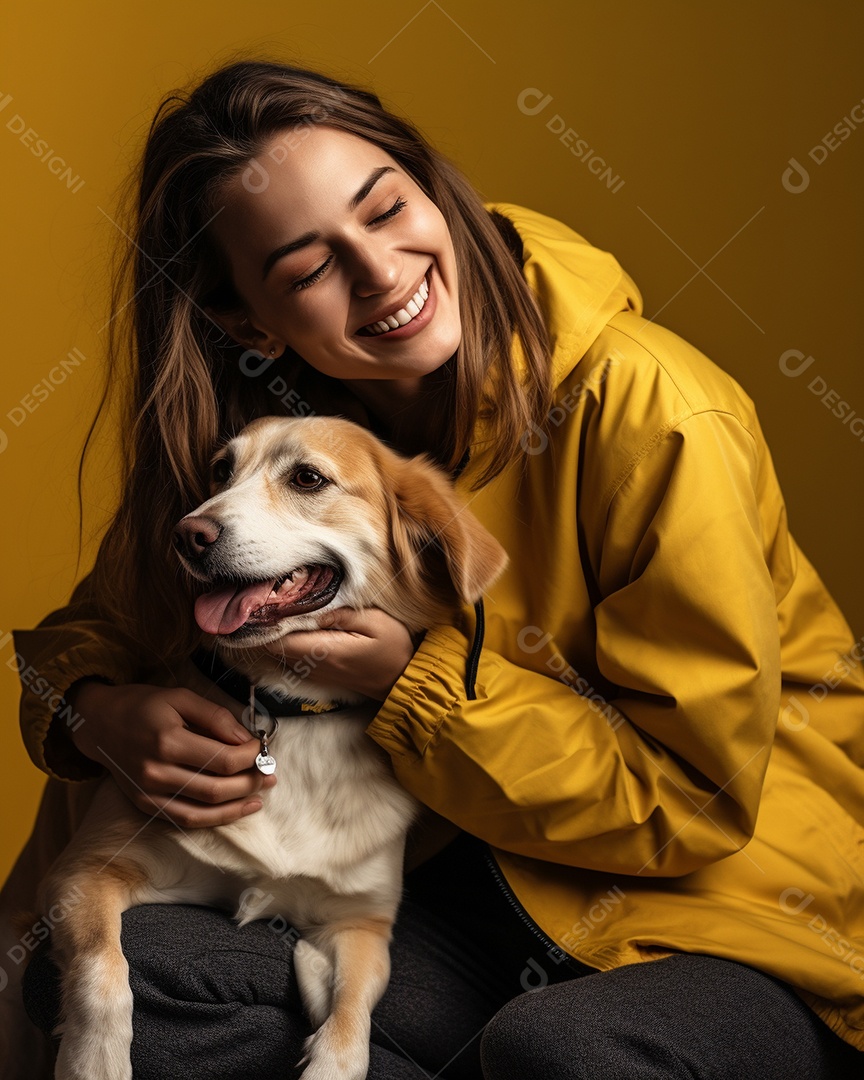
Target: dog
[[305, 514]]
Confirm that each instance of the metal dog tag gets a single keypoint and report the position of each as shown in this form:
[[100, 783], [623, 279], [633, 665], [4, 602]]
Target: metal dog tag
[[265, 761]]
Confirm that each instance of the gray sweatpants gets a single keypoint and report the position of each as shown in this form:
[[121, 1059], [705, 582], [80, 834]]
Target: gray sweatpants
[[214, 1002]]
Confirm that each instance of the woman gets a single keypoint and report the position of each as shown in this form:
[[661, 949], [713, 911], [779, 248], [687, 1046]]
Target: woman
[[659, 830]]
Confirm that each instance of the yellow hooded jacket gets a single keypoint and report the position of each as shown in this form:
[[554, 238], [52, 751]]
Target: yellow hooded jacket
[[665, 750]]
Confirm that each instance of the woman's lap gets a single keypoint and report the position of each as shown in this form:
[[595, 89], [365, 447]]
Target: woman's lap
[[216, 1001], [683, 1017]]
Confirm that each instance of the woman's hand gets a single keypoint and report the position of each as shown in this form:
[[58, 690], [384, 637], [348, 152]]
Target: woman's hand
[[362, 651], [170, 751]]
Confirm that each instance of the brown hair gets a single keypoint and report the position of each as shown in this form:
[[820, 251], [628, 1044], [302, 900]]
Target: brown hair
[[191, 384]]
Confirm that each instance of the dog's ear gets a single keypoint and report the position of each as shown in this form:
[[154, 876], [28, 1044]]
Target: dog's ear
[[429, 520]]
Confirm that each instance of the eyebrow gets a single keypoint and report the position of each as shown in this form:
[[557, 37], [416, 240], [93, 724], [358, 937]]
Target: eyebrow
[[307, 238]]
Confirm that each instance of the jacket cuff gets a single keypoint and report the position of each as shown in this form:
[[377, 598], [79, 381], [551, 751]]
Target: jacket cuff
[[62, 757], [427, 692], [46, 718]]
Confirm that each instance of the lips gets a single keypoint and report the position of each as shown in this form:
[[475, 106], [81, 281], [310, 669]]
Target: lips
[[402, 316], [225, 609]]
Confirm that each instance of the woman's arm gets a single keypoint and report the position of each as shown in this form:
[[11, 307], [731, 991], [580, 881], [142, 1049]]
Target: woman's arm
[[70, 645], [666, 776]]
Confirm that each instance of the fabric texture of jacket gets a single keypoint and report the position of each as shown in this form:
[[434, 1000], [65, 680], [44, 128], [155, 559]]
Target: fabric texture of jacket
[[666, 745]]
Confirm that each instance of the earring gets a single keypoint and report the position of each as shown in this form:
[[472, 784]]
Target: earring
[[272, 352]]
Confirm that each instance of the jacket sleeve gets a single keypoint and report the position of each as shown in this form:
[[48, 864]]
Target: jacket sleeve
[[666, 775], [71, 643]]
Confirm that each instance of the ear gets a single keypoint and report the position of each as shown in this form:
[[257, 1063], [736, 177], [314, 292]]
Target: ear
[[431, 516], [239, 328]]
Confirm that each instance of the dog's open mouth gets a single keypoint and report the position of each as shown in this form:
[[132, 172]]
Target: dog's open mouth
[[263, 603]]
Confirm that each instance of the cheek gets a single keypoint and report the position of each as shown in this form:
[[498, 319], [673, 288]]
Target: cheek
[[309, 328], [440, 242], [431, 226]]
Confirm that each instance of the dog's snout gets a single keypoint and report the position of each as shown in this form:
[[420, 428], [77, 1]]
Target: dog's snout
[[194, 536]]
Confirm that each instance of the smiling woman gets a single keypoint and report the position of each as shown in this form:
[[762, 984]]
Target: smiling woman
[[628, 479], [374, 265]]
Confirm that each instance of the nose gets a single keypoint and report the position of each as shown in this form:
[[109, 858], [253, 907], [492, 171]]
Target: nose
[[194, 536], [377, 268]]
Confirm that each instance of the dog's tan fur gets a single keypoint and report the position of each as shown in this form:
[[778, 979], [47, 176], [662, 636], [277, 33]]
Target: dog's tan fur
[[326, 849]]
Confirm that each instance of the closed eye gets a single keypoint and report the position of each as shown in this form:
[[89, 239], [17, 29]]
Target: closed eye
[[395, 209], [314, 276]]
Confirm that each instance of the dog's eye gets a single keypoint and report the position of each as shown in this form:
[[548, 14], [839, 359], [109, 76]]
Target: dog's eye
[[308, 480], [221, 471]]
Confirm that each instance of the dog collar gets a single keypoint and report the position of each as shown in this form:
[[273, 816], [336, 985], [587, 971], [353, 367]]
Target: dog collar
[[238, 686]]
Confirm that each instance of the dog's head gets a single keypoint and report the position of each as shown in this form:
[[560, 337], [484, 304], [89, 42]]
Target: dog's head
[[313, 513]]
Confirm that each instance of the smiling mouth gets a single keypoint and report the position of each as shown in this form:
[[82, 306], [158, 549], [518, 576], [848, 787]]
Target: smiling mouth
[[232, 605], [401, 317]]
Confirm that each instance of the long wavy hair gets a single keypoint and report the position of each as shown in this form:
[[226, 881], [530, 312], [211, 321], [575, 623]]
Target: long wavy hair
[[187, 385]]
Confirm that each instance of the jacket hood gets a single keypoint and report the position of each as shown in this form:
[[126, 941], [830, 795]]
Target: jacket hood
[[579, 287]]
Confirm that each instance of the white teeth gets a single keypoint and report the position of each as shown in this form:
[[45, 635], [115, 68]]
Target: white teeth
[[404, 315], [302, 573]]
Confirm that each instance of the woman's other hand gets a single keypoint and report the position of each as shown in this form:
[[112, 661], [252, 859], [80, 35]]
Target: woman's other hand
[[170, 751], [362, 651]]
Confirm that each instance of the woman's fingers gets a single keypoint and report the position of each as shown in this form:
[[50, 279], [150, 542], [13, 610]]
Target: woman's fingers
[[195, 798], [208, 718], [200, 786], [186, 814], [178, 745], [363, 651]]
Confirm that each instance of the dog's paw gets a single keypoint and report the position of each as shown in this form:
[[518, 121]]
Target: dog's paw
[[72, 1064], [96, 1048], [326, 1059]]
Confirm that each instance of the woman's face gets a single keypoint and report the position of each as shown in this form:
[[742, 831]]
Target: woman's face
[[332, 236]]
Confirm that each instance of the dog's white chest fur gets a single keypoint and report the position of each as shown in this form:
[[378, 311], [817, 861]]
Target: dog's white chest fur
[[335, 806]]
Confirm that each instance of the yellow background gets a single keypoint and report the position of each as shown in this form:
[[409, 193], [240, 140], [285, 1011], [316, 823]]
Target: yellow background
[[696, 107]]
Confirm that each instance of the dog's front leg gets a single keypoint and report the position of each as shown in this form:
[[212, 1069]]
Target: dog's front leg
[[96, 1022], [339, 1049]]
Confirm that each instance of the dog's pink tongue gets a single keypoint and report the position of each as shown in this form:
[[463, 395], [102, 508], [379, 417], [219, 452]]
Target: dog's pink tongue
[[223, 610]]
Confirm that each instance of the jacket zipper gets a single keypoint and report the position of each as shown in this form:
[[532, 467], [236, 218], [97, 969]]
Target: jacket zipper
[[556, 954]]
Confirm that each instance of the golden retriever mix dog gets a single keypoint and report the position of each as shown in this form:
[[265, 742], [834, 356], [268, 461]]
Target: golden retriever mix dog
[[305, 514]]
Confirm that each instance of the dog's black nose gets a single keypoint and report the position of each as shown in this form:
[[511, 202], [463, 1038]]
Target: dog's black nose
[[195, 535]]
